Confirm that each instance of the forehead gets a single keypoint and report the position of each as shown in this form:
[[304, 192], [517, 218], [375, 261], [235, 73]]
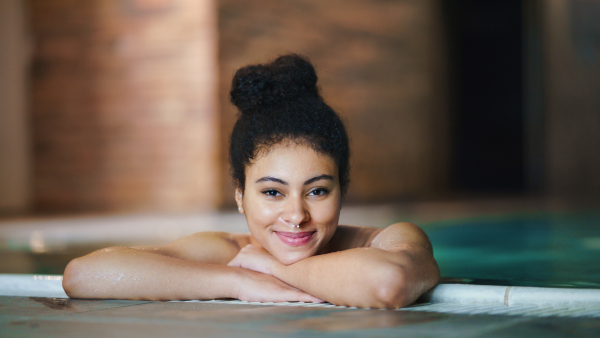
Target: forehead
[[291, 159]]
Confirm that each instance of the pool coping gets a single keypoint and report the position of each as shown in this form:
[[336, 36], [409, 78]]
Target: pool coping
[[512, 295], [30, 285]]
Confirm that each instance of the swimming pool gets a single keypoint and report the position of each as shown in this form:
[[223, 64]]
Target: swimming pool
[[536, 249], [543, 249], [506, 254]]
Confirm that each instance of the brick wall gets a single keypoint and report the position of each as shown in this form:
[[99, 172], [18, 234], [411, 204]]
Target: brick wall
[[380, 65], [124, 102], [15, 159], [124, 105]]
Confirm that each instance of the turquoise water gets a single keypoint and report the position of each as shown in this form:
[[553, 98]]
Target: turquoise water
[[520, 250], [544, 249]]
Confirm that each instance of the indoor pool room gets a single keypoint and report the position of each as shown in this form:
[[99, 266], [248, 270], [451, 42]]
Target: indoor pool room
[[508, 268], [343, 168]]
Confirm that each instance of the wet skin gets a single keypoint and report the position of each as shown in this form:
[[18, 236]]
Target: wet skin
[[296, 251]]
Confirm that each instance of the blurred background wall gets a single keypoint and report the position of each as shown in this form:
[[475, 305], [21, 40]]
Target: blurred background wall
[[572, 96], [380, 65], [122, 105], [15, 150]]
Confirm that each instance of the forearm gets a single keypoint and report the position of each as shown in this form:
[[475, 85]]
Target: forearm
[[364, 277], [125, 273]]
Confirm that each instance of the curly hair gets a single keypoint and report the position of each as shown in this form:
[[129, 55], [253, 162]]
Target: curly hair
[[280, 101]]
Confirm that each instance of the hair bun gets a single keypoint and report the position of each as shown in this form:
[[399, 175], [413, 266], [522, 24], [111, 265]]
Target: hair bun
[[287, 78]]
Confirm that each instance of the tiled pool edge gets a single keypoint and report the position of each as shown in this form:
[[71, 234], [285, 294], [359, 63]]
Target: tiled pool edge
[[511, 295], [29, 285], [444, 298]]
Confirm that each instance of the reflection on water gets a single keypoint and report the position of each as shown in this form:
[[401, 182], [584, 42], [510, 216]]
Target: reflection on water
[[525, 250], [54, 303], [36, 242], [351, 320], [45, 262], [519, 250]]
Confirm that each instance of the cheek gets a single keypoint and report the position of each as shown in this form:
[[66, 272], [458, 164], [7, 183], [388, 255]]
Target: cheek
[[260, 214], [327, 214]]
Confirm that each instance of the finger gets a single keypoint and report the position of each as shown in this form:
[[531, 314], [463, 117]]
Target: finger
[[234, 262], [312, 299], [300, 296]]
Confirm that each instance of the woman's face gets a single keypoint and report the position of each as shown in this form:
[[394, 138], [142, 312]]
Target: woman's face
[[292, 201]]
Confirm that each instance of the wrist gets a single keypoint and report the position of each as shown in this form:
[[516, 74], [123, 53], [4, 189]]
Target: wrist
[[235, 280]]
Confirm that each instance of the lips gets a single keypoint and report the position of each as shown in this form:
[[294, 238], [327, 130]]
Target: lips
[[295, 238]]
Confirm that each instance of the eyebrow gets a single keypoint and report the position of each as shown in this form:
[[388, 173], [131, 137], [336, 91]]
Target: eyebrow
[[312, 180], [322, 177]]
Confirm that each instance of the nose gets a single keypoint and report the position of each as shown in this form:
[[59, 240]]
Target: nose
[[295, 211]]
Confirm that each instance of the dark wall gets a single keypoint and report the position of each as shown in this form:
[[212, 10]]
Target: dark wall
[[485, 84], [572, 100]]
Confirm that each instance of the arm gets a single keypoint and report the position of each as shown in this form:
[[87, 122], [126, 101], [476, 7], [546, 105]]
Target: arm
[[392, 271], [173, 272], [127, 273], [363, 277]]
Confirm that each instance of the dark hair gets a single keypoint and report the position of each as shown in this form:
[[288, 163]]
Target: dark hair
[[280, 101]]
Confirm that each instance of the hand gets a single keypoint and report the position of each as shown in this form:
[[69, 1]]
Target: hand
[[259, 287], [254, 258]]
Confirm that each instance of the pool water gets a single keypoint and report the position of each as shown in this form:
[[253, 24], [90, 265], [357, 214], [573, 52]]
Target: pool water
[[547, 250], [535, 249]]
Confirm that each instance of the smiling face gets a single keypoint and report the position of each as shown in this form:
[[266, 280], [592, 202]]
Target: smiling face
[[291, 200]]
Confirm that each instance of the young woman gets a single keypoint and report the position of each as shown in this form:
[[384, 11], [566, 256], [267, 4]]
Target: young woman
[[289, 157]]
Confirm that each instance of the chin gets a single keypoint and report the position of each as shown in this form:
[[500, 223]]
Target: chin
[[291, 258], [289, 254]]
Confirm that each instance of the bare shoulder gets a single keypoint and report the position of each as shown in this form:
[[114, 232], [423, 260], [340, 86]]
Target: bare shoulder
[[206, 247], [351, 236], [401, 235]]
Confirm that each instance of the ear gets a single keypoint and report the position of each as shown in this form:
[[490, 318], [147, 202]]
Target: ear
[[238, 200]]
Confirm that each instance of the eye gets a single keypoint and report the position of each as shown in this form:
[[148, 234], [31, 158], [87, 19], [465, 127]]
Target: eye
[[319, 192], [271, 192]]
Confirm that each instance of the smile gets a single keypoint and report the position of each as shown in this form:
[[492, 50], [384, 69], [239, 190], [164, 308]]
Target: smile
[[295, 238]]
